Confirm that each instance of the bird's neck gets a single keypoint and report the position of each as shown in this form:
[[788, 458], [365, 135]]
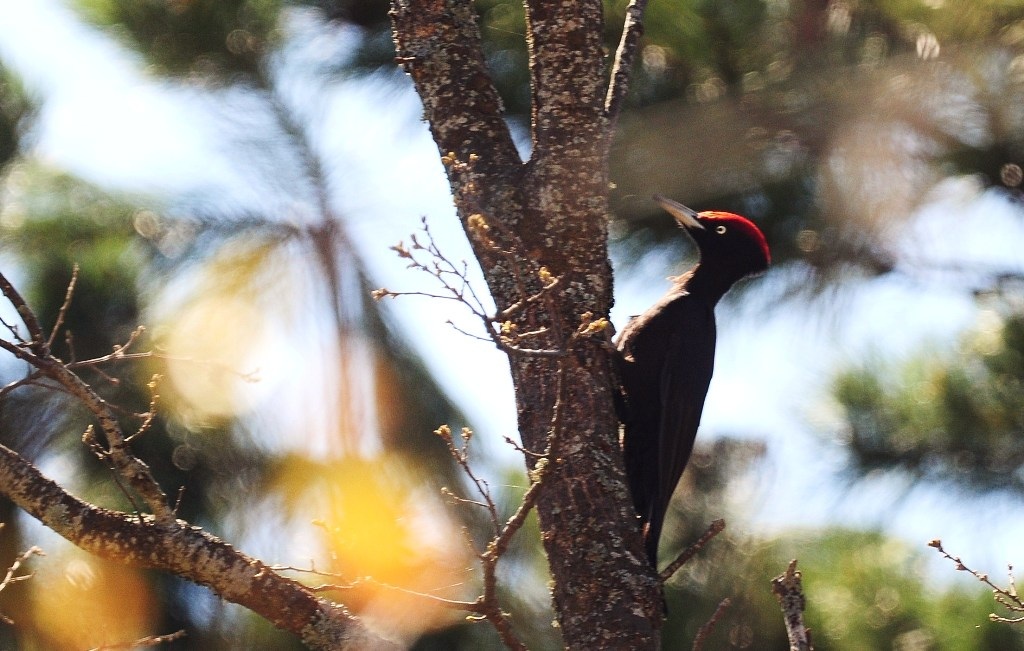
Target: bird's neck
[[707, 283]]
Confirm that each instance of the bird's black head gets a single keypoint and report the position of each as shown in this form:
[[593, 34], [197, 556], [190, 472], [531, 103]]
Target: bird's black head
[[730, 243]]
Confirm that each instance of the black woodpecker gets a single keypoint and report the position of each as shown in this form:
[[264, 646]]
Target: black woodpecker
[[667, 356]]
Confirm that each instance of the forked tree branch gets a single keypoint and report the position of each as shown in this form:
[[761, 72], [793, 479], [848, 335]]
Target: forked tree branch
[[35, 351], [186, 551], [539, 231], [158, 541]]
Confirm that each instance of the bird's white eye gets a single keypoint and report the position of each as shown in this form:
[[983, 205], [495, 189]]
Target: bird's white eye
[[720, 230]]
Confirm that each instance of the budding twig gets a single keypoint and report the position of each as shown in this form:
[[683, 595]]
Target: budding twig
[[1006, 597], [36, 352], [12, 575], [424, 255]]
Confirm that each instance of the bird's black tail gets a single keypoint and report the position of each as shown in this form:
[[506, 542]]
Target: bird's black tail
[[652, 533]]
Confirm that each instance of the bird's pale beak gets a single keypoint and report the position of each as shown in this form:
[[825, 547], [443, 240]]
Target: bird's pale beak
[[687, 217]]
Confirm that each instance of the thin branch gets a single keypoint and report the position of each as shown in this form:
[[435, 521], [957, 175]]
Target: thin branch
[[715, 528], [1006, 597], [454, 604], [622, 68], [36, 353], [13, 577], [63, 311], [31, 380], [709, 627], [521, 449], [184, 551], [487, 607], [469, 334], [461, 457], [471, 606], [28, 317], [447, 492], [150, 416], [148, 641], [788, 589], [454, 280], [500, 543]]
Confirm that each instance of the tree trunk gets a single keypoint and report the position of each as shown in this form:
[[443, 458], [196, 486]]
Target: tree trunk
[[530, 223]]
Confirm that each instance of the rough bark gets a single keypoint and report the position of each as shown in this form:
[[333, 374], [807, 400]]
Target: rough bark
[[186, 551], [527, 219], [788, 589]]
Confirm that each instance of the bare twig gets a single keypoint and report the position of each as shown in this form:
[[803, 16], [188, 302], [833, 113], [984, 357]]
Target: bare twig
[[32, 379], [36, 352], [351, 584], [618, 86], [12, 575], [63, 311], [148, 641], [150, 415], [789, 591], [715, 528], [28, 317], [487, 607], [1006, 597], [120, 352], [455, 604], [461, 457], [455, 285], [708, 628]]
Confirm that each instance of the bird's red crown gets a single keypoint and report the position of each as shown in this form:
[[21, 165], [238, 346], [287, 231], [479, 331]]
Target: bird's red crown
[[740, 223]]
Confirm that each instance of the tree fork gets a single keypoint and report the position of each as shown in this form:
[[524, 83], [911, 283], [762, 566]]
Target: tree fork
[[524, 220]]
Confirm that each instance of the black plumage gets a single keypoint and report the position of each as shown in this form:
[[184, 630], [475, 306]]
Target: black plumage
[[667, 357]]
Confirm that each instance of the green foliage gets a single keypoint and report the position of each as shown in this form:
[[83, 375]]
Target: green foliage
[[958, 418], [52, 222], [14, 108], [959, 21], [867, 591], [864, 591], [209, 37]]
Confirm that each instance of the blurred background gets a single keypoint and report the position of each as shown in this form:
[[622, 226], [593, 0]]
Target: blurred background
[[231, 173]]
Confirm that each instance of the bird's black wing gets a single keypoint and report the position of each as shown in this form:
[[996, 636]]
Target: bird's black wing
[[686, 374]]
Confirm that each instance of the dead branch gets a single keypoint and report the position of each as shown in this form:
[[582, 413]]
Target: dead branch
[[715, 528], [632, 30], [788, 590], [708, 628], [63, 311]]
